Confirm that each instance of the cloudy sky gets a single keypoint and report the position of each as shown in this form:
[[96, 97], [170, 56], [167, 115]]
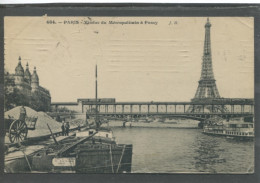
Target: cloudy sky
[[158, 60]]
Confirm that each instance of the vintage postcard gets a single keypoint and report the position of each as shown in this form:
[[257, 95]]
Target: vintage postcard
[[129, 94]]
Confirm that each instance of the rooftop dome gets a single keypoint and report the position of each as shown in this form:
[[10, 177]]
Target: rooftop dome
[[19, 71], [35, 78], [27, 74]]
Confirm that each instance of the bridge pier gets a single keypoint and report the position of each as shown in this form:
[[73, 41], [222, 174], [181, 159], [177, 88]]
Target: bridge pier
[[232, 108], [106, 108]]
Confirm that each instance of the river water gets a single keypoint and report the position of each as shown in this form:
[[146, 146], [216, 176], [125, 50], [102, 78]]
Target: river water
[[169, 150]]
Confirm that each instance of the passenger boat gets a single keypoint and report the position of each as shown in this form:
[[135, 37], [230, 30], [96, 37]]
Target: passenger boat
[[91, 150], [241, 130]]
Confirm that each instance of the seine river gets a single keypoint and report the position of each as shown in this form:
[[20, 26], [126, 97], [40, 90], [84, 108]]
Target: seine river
[[169, 150]]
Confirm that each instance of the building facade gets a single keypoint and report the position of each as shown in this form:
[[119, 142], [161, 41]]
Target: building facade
[[29, 85]]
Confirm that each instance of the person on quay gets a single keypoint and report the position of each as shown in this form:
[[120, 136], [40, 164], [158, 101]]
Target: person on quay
[[79, 128], [63, 128], [22, 113], [67, 128]]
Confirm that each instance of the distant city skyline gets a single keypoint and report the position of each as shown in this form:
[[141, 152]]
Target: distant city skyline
[[135, 62]]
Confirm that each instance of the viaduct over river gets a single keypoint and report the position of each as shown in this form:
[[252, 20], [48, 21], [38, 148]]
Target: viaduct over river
[[224, 108], [206, 103]]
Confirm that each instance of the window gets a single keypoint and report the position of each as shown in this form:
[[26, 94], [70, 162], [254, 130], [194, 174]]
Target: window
[[232, 125]]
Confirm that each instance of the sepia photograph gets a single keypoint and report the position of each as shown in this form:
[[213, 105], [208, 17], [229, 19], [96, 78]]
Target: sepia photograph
[[100, 94]]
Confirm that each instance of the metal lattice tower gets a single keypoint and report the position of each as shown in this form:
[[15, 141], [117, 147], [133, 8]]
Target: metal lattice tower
[[207, 89], [207, 84]]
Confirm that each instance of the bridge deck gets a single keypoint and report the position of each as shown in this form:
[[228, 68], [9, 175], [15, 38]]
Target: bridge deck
[[221, 101]]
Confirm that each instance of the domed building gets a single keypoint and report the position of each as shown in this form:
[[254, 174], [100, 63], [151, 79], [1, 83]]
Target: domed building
[[20, 80], [19, 69], [19, 73], [27, 74], [35, 80], [28, 83]]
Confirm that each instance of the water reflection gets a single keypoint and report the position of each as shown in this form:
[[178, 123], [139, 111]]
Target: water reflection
[[185, 151], [208, 154]]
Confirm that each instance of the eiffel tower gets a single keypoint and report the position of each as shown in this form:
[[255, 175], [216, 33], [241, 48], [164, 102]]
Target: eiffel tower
[[207, 89]]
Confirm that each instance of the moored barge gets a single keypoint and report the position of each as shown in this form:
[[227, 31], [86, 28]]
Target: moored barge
[[90, 151]]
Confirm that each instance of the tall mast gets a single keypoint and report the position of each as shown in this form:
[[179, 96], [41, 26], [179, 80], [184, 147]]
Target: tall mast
[[96, 100]]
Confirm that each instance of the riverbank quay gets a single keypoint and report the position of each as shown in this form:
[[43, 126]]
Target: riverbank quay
[[179, 125]]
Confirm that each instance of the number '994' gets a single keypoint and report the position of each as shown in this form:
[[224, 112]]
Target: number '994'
[[51, 22]]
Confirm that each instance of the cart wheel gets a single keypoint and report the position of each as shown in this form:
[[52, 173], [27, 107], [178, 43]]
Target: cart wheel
[[17, 131]]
